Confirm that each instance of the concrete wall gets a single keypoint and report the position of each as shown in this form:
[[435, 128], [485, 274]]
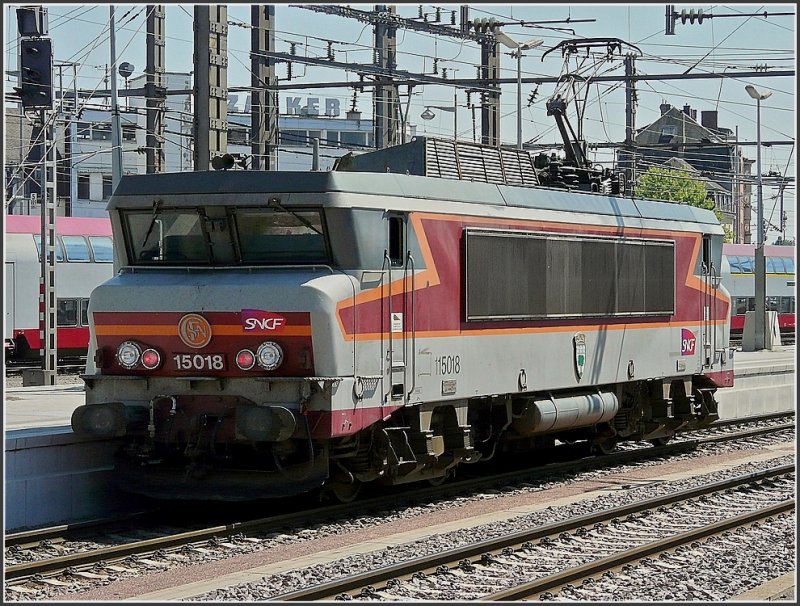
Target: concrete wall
[[54, 477], [758, 391]]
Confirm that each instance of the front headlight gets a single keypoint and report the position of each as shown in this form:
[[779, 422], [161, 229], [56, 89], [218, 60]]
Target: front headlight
[[269, 355], [128, 354]]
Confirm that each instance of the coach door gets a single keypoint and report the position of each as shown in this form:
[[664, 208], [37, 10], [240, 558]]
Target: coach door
[[398, 315]]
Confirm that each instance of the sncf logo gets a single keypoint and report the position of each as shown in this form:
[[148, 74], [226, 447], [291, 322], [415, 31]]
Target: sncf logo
[[194, 330], [256, 321], [688, 342]]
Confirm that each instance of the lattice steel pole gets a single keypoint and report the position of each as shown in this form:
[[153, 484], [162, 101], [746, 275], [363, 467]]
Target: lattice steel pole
[[47, 277]]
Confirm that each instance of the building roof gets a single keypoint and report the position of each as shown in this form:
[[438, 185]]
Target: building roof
[[676, 127]]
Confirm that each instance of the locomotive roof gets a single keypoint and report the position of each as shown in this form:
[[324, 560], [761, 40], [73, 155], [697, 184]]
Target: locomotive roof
[[141, 190]]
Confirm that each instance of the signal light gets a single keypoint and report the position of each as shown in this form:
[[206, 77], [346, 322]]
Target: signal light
[[36, 73], [245, 359], [151, 359], [223, 162]]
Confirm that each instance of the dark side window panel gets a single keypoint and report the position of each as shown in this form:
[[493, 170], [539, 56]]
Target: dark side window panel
[[396, 240], [517, 275]]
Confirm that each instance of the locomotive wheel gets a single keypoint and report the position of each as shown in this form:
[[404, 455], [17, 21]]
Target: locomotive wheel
[[660, 441], [345, 492], [441, 480], [603, 446]]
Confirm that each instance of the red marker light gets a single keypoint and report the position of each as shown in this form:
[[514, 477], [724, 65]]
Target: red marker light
[[245, 359], [151, 359]]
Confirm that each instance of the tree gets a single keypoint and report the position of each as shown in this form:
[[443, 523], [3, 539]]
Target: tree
[[675, 185]]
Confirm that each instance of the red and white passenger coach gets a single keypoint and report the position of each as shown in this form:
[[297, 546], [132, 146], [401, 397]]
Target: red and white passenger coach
[[84, 259]]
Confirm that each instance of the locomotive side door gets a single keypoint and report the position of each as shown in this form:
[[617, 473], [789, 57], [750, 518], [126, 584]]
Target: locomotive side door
[[395, 315]]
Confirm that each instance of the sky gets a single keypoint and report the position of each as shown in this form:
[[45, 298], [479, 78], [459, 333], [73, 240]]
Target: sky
[[738, 38]]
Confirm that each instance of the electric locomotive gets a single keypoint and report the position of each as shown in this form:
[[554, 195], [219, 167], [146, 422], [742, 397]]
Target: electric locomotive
[[271, 333]]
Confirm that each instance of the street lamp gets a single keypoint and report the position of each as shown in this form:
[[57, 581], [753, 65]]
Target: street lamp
[[518, 48], [761, 267], [429, 115]]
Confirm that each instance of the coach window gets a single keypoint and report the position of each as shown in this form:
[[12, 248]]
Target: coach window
[[102, 249], [741, 305], [396, 240], [84, 312], [76, 247], [789, 264], [67, 312], [59, 251]]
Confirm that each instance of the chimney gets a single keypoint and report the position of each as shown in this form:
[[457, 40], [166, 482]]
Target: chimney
[[709, 119], [692, 113], [664, 107]]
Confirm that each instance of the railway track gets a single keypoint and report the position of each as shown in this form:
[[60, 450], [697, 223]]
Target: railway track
[[65, 367], [46, 553], [495, 555]]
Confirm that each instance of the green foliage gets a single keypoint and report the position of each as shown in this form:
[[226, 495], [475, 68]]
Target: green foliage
[[675, 185]]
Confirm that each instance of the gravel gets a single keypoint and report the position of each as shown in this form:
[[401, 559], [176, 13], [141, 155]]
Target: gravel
[[275, 585]]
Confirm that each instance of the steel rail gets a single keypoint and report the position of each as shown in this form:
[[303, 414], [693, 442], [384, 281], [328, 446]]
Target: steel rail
[[747, 433], [332, 589], [28, 537], [555, 581], [751, 419]]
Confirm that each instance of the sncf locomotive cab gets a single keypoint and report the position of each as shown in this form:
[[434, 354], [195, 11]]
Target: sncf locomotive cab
[[217, 353]]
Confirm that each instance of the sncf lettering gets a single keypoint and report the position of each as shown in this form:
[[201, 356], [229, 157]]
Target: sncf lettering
[[263, 323], [688, 342]]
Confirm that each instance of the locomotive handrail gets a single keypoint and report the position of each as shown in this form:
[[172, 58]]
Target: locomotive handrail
[[390, 352], [410, 261], [247, 266], [712, 310]]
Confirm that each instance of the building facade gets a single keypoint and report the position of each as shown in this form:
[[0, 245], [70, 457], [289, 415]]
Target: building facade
[[710, 150]]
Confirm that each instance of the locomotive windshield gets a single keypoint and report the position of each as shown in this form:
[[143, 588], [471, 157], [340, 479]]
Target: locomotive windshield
[[230, 236]]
